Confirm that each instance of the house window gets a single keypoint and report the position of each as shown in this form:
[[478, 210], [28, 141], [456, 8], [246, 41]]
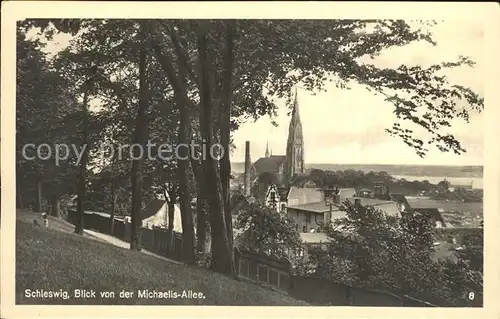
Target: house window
[[308, 217]]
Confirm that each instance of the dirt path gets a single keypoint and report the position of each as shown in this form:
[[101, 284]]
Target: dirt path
[[123, 244]]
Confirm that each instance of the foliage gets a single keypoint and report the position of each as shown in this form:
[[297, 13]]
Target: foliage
[[370, 249], [268, 232], [41, 91], [219, 73], [467, 273]]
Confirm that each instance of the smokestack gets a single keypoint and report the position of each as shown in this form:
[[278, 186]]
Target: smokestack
[[247, 168]]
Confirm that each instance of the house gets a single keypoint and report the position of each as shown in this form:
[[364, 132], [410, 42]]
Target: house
[[276, 197], [434, 214], [365, 192], [311, 216], [280, 197], [346, 193], [402, 202], [156, 214], [300, 196]]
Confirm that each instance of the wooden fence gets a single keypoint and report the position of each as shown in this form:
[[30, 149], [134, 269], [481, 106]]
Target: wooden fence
[[277, 273], [157, 240], [267, 270], [271, 270]]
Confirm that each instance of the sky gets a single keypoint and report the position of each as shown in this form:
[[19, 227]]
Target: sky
[[347, 126]]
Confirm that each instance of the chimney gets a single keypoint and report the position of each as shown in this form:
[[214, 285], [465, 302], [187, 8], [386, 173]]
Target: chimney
[[247, 168], [336, 198], [336, 195]]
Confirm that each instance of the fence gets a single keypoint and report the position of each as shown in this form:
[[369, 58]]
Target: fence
[[274, 272], [268, 270], [163, 242], [157, 240], [271, 270]]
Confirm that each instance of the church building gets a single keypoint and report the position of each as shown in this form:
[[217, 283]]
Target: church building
[[285, 167]]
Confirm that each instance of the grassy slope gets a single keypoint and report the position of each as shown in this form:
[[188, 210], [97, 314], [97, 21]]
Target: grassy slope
[[52, 259]]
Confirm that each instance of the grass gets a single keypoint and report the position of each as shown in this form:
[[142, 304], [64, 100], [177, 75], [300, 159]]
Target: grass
[[53, 259], [54, 223]]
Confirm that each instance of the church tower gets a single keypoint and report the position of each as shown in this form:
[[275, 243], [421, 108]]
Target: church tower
[[295, 144]]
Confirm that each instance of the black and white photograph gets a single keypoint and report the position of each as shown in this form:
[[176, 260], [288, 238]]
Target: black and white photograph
[[248, 161]]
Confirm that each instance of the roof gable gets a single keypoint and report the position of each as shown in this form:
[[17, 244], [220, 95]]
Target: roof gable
[[299, 196], [152, 208], [347, 192]]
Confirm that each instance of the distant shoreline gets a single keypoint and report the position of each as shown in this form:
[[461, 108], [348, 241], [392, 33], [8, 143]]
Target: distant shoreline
[[431, 171]]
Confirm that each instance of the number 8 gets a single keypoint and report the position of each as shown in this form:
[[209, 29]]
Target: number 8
[[471, 295]]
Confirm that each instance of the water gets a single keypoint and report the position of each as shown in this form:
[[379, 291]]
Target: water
[[475, 182]]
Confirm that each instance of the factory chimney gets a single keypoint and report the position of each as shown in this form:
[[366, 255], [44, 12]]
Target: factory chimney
[[247, 168]]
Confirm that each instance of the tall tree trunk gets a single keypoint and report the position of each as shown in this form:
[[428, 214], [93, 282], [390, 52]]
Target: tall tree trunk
[[201, 217], [82, 179], [139, 139], [55, 207], [183, 164], [39, 196], [225, 125], [170, 197], [222, 260], [222, 254], [113, 208], [201, 222]]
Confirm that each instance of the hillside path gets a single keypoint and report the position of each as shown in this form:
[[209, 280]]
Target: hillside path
[[123, 244]]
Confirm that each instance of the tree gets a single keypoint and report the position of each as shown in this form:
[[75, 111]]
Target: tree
[[234, 69], [318, 176], [41, 90], [444, 186], [267, 232], [370, 249], [140, 138], [268, 178]]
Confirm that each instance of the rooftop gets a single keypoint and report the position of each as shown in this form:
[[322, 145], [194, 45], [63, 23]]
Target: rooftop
[[321, 207], [302, 195], [317, 207], [152, 207]]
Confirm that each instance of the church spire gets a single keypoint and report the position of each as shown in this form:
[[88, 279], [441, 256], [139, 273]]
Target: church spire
[[296, 107], [295, 143], [267, 149]]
